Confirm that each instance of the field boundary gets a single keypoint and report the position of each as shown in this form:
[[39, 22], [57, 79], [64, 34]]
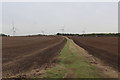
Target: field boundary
[[108, 71], [71, 65], [97, 68]]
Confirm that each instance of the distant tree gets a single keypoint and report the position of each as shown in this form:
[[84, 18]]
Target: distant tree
[[4, 35]]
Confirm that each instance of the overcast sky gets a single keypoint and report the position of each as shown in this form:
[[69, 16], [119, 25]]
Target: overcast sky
[[74, 17]]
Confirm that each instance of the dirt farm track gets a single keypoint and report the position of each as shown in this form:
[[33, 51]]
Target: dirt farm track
[[22, 54], [105, 48]]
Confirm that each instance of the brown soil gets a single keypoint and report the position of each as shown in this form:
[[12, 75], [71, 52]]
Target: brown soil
[[23, 54], [105, 48]]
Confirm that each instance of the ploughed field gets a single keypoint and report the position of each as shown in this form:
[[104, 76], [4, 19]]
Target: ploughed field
[[105, 48], [23, 54]]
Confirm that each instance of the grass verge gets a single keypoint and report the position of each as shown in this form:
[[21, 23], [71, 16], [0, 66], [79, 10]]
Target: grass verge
[[72, 65]]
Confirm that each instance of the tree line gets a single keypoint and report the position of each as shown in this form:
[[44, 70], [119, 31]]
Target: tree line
[[82, 35], [4, 35], [92, 34]]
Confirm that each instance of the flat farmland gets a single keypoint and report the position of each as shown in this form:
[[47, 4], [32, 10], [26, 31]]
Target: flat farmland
[[105, 48], [23, 54]]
